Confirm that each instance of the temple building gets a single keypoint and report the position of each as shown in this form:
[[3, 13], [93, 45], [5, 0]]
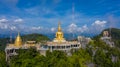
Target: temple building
[[107, 38], [58, 43], [84, 41]]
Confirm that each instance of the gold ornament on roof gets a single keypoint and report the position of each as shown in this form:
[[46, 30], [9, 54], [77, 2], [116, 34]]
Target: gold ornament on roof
[[18, 41]]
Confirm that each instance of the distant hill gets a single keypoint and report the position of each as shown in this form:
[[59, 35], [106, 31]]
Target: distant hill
[[3, 42], [34, 36]]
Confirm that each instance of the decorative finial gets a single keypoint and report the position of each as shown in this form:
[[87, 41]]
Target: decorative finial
[[18, 33], [18, 40], [59, 27]]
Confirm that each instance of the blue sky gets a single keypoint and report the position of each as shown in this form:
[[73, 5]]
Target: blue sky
[[42, 16]]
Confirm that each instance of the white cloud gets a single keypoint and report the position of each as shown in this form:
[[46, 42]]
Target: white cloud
[[99, 23], [53, 29], [7, 25], [13, 28], [36, 28], [85, 27], [3, 20], [97, 26], [2, 24], [82, 29], [73, 28], [18, 20]]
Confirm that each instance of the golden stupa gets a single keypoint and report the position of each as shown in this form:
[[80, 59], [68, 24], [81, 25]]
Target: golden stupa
[[18, 41], [59, 35]]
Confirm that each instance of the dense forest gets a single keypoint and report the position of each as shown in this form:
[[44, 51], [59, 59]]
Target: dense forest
[[96, 54]]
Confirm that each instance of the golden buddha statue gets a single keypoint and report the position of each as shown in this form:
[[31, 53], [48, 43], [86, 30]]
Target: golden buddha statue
[[59, 35], [18, 41]]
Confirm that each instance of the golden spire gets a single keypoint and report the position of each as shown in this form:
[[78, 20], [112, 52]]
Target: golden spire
[[59, 27], [18, 41]]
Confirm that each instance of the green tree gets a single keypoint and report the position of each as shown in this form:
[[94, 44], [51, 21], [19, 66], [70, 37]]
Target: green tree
[[102, 59], [2, 59]]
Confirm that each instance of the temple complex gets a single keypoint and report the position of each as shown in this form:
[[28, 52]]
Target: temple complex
[[58, 43]]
